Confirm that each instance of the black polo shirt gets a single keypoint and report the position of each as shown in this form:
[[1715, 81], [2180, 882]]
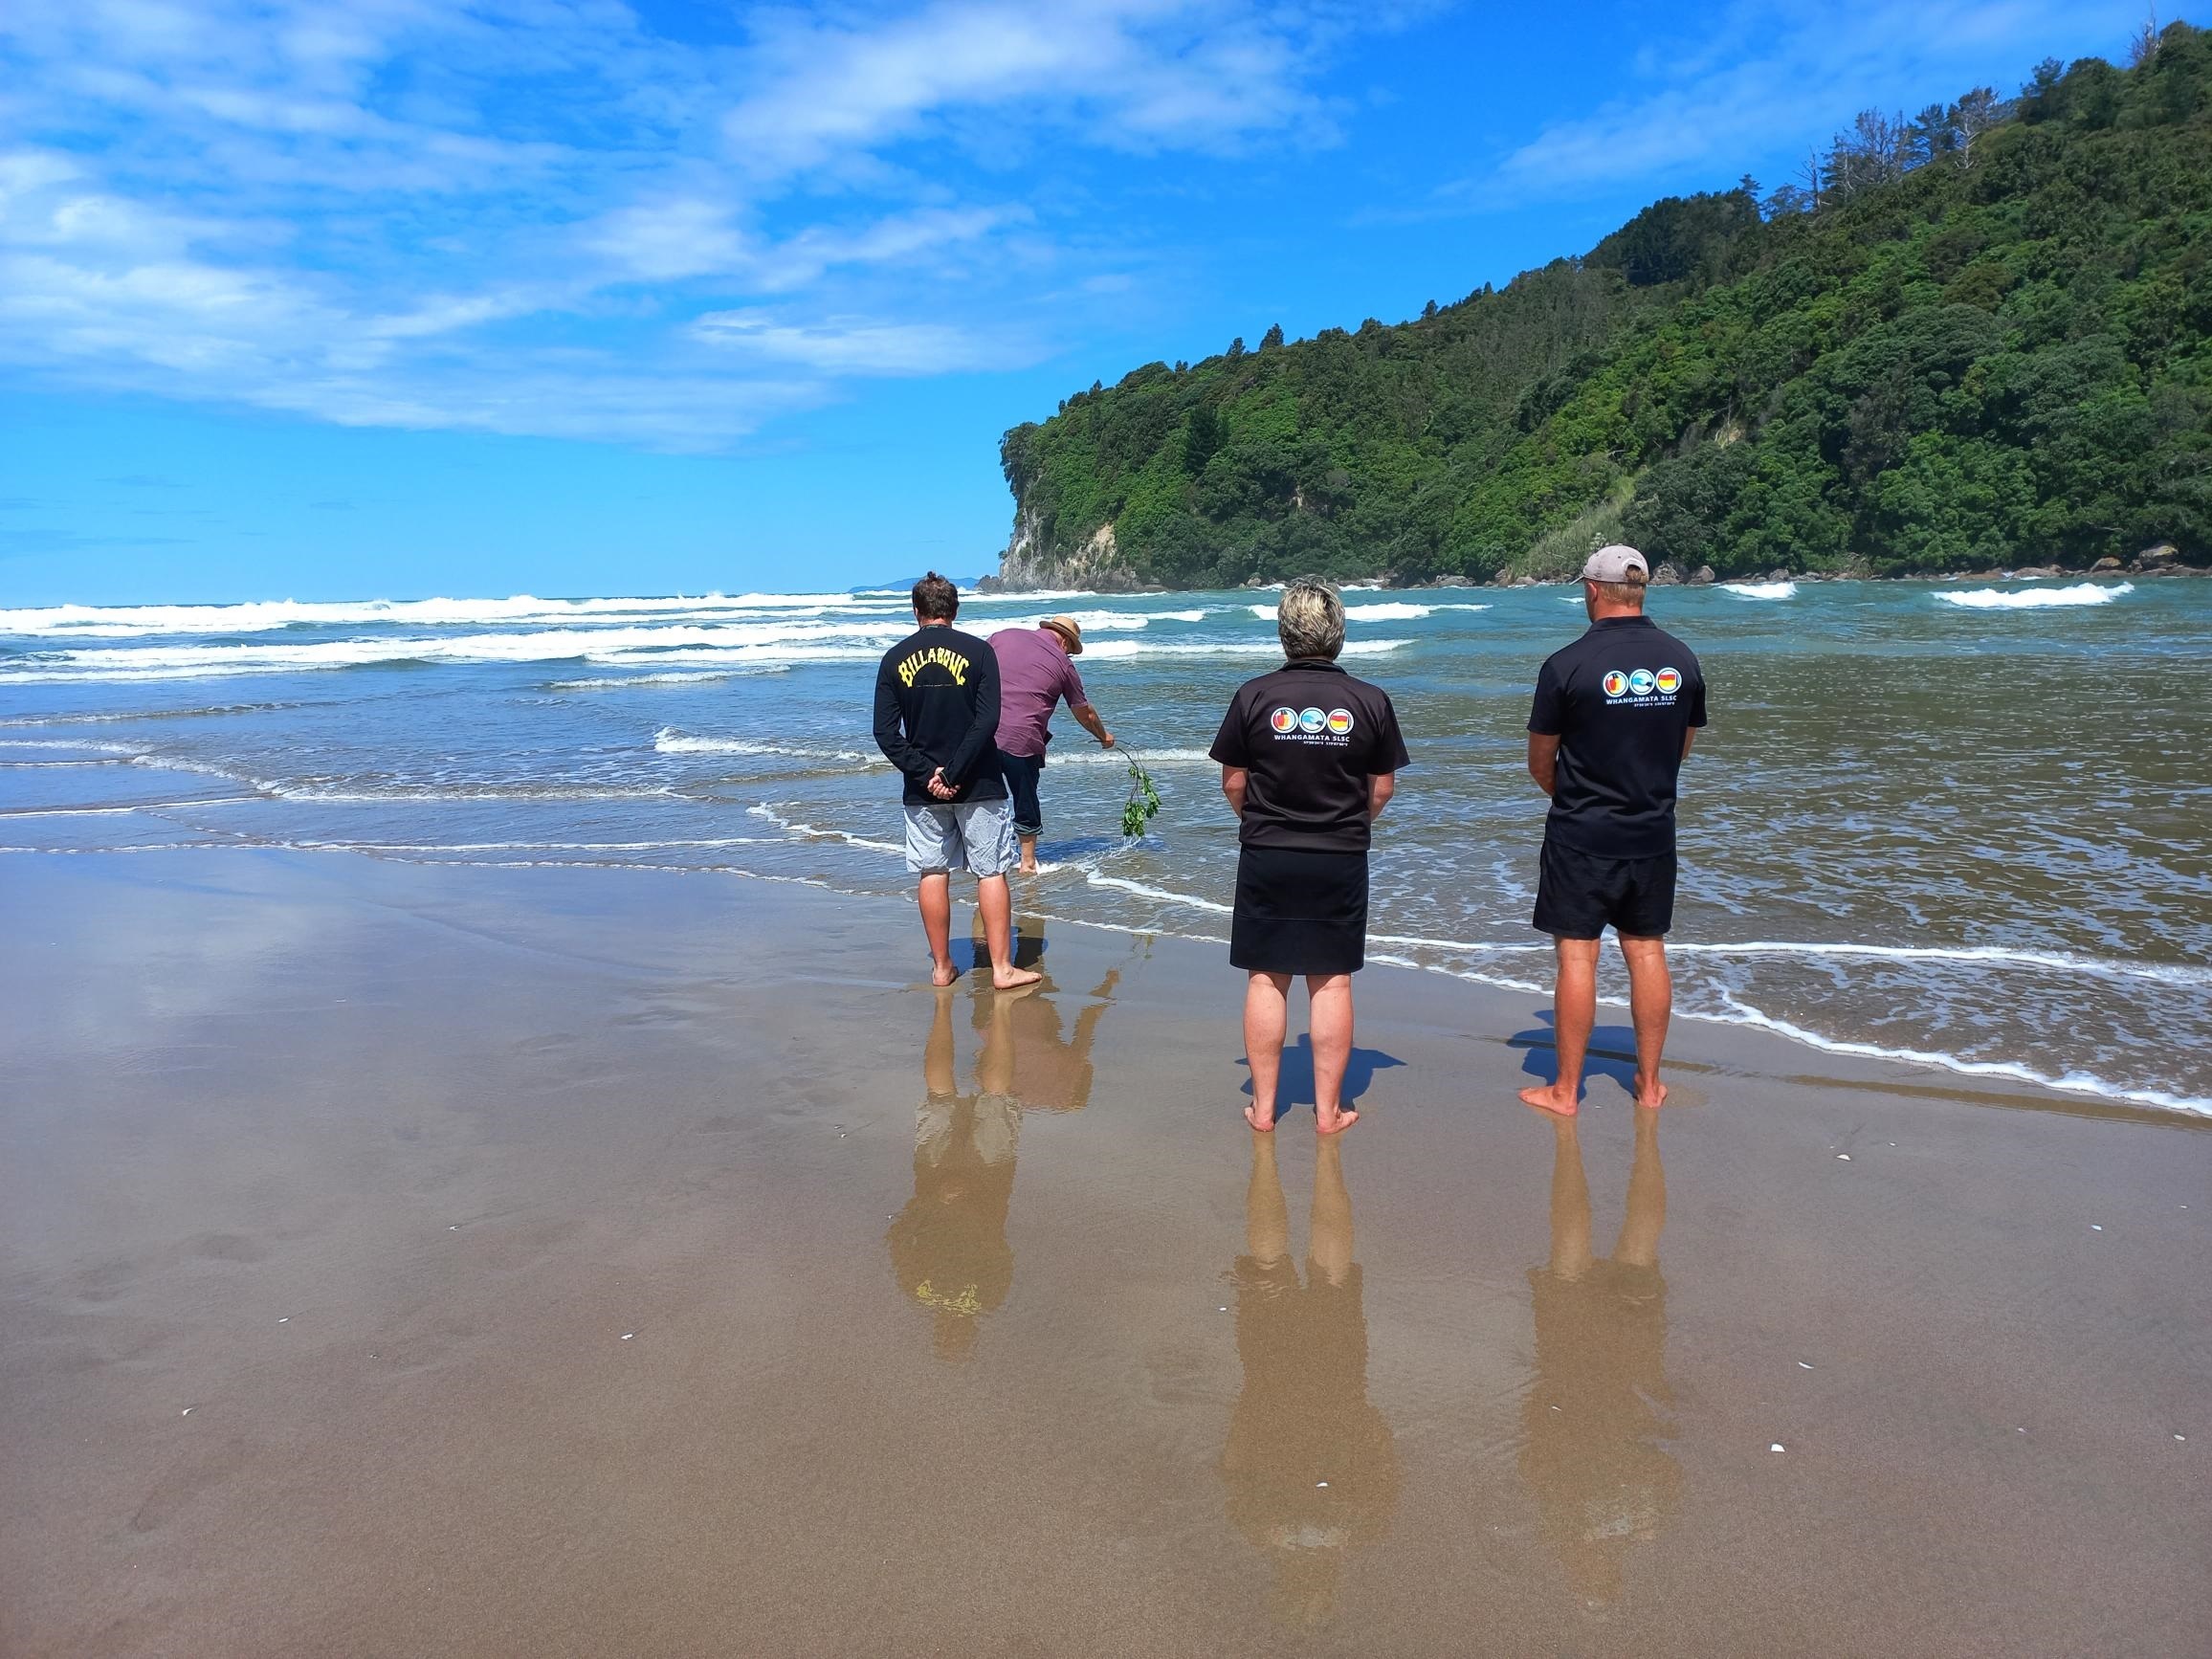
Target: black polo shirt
[[1622, 700], [1309, 735]]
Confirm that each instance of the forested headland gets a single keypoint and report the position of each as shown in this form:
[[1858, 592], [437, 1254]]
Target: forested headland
[[1977, 336]]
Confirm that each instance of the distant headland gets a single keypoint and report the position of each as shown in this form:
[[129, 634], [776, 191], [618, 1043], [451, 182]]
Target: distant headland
[[1978, 340]]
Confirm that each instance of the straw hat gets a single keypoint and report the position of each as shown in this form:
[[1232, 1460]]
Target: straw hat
[[1070, 631]]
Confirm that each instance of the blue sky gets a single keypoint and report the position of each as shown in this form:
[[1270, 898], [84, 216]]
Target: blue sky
[[351, 298]]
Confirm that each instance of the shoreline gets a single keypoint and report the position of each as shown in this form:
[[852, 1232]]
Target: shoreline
[[2084, 1092], [2125, 573], [425, 1258]]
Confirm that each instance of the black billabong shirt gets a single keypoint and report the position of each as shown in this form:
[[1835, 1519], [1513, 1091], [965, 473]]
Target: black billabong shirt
[[936, 704], [1309, 735], [1622, 700]]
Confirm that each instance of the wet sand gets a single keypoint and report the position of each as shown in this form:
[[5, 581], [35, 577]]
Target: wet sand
[[403, 1260]]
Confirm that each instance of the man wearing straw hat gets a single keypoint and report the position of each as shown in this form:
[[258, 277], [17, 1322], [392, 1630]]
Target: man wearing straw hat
[[1036, 670]]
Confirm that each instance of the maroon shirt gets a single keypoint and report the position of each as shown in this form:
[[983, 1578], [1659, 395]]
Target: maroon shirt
[[1034, 674]]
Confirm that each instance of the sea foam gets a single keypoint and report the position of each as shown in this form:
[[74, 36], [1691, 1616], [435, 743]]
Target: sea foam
[[96, 621], [671, 742], [2036, 598], [1761, 589]]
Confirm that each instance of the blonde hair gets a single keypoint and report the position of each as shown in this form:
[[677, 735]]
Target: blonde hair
[[1310, 619], [1628, 592]]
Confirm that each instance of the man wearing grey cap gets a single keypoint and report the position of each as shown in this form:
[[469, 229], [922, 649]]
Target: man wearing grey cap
[[1614, 717]]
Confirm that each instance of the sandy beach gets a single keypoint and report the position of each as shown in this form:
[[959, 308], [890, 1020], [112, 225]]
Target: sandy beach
[[415, 1260]]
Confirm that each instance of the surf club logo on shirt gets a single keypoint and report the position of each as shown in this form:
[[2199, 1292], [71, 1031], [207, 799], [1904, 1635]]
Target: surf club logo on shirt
[[1641, 687], [1330, 727]]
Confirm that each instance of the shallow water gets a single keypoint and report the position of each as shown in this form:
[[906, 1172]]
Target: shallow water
[[1963, 824]]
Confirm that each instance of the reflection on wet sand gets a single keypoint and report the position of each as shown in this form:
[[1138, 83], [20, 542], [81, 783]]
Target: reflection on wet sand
[[948, 1245], [1593, 1416], [1310, 1467], [1051, 1072]]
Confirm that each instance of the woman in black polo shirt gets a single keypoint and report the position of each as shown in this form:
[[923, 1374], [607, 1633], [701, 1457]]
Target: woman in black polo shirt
[[1308, 759]]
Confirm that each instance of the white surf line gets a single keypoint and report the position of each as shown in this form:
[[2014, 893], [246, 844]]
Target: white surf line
[[2058, 961], [121, 811], [2035, 598], [94, 852], [2162, 973], [530, 846], [95, 744], [1097, 878], [793, 826], [2072, 1082]]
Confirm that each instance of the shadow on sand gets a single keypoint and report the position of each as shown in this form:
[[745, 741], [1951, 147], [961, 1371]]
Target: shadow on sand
[[1612, 1054], [1295, 1087]]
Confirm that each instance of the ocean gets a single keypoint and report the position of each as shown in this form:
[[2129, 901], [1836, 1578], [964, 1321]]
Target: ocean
[[1966, 824]]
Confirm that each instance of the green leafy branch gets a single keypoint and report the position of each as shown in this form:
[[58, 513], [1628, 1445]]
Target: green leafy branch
[[1143, 803]]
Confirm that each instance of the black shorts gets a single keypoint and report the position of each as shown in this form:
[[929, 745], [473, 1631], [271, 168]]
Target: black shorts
[[1300, 913], [1580, 895], [1021, 772]]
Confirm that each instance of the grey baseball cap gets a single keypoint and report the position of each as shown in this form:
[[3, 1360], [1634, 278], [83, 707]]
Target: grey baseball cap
[[1615, 564]]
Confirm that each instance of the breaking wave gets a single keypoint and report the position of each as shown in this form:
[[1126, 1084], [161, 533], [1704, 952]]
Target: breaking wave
[[2036, 598]]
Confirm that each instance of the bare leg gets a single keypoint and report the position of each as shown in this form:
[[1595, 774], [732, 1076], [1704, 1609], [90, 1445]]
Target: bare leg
[[1267, 1012], [1267, 1217], [1331, 1248], [1650, 1005], [935, 897], [1331, 1020], [1575, 1005], [995, 1065], [998, 912], [936, 1075], [1570, 1204], [1029, 855], [1646, 1214]]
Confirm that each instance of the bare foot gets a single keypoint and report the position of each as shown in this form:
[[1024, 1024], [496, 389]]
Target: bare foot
[[1650, 1095], [1552, 1098], [1012, 979], [1334, 1119], [942, 974], [1262, 1123]]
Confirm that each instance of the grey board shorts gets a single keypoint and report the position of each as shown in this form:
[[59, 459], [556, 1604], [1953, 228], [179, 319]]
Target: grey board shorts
[[978, 835]]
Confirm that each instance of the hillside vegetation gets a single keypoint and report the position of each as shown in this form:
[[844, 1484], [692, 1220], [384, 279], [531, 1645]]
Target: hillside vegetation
[[1974, 338]]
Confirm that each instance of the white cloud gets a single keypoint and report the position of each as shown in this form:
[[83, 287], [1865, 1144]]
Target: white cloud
[[509, 214], [1131, 72], [856, 345], [1789, 73]]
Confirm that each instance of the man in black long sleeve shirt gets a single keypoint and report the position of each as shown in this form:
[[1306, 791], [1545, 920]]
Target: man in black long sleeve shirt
[[937, 719]]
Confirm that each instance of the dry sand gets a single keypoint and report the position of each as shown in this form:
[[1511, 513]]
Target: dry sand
[[463, 1261]]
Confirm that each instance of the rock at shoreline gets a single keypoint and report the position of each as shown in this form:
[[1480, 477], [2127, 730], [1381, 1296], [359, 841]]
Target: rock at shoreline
[[1667, 576], [2103, 566], [1703, 577]]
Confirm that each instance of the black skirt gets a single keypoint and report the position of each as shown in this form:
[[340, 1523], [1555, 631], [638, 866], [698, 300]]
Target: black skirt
[[1300, 913]]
